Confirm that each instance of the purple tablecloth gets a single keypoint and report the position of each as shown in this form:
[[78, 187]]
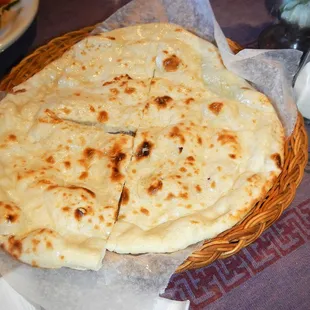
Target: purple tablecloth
[[274, 272]]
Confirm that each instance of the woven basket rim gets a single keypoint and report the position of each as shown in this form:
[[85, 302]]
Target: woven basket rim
[[264, 213]]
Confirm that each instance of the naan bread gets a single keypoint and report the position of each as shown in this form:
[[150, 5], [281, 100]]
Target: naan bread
[[196, 170], [137, 140]]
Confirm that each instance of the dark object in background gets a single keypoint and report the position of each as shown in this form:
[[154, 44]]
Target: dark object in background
[[272, 7], [282, 34], [18, 50]]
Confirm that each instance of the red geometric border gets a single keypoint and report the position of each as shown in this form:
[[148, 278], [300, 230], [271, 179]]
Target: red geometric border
[[205, 285]]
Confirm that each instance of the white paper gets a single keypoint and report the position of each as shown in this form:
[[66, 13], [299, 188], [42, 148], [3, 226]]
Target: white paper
[[11, 300], [134, 282], [124, 282], [302, 90]]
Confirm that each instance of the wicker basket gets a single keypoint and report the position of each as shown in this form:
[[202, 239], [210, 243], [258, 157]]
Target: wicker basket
[[265, 212]]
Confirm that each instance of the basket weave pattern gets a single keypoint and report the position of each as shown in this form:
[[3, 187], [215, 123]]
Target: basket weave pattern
[[265, 212]]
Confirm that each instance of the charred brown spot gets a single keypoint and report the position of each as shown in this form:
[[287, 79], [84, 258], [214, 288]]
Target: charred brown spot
[[125, 196], [51, 187], [253, 178], [194, 222], [170, 196], [180, 150], [129, 90], [144, 211], [153, 82], [233, 156], [183, 195], [35, 242], [101, 218], [155, 187], [246, 88], [116, 160], [225, 138], [79, 213], [199, 140], [12, 218], [188, 206], [211, 146], [190, 158], [8, 207], [171, 63], [66, 110], [77, 94], [162, 101], [84, 197], [179, 30], [83, 175], [118, 78], [213, 184], [176, 133], [49, 245], [110, 38], [83, 68], [216, 107], [83, 163], [62, 257], [92, 109], [50, 160], [189, 100], [198, 188], [15, 247], [183, 169], [66, 209], [89, 153], [277, 159], [102, 116], [114, 91], [12, 138], [144, 149], [67, 164], [219, 168]]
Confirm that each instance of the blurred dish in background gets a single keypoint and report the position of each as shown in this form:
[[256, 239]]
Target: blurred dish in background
[[292, 27], [15, 18]]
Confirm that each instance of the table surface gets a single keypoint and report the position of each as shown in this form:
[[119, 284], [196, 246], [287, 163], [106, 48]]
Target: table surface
[[272, 273]]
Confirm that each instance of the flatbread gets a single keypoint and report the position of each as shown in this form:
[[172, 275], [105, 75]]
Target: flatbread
[[138, 141], [195, 171]]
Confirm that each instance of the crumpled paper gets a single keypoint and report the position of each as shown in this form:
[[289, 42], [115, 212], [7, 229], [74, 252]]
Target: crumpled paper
[[134, 282]]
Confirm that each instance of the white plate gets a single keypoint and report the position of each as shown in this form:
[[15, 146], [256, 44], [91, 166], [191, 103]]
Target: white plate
[[16, 28]]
